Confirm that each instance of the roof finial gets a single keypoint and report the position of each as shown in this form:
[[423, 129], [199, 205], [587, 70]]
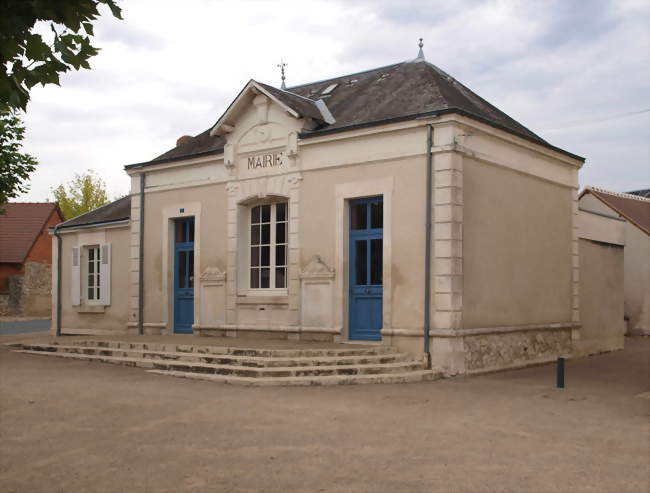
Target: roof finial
[[420, 53], [282, 65]]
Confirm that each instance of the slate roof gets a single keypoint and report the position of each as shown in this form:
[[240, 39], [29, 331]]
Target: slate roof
[[641, 193], [20, 226], [633, 208], [398, 92], [115, 211]]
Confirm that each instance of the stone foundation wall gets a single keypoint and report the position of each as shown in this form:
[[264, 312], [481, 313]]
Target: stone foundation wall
[[498, 351]]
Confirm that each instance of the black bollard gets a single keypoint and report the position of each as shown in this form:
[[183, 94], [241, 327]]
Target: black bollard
[[560, 373]]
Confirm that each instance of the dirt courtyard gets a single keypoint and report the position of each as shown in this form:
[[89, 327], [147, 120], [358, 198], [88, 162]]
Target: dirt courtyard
[[74, 426]]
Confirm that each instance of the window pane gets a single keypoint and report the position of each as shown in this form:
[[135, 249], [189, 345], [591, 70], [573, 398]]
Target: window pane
[[358, 214], [377, 215], [281, 233], [266, 256], [91, 280], [376, 261], [255, 235], [91, 254], [191, 234], [281, 212], [180, 268], [255, 256], [190, 269], [255, 278], [281, 277], [360, 266], [91, 267], [266, 213], [265, 275], [266, 234], [90, 294], [179, 232], [98, 293], [255, 214], [280, 255]]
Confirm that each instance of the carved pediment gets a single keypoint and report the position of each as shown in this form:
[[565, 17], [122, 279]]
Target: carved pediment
[[316, 268], [213, 274]]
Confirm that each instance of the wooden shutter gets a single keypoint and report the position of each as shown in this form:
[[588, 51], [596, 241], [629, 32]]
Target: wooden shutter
[[105, 274], [75, 277]]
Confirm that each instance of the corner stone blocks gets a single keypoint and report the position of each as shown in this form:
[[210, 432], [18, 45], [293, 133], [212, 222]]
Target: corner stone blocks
[[448, 240]]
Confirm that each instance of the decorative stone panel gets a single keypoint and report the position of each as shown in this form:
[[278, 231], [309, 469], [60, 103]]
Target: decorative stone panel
[[212, 284], [317, 294]]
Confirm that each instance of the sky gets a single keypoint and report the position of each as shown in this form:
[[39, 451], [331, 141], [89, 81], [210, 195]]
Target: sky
[[576, 72]]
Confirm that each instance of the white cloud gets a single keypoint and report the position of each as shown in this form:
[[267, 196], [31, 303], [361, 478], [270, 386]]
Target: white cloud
[[171, 68]]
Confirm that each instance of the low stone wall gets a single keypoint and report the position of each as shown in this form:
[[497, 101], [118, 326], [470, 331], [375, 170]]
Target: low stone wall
[[30, 293]]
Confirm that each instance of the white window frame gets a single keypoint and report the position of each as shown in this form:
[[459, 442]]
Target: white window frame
[[96, 286], [271, 290]]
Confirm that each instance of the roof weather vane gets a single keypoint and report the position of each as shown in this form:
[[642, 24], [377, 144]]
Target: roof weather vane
[[282, 65]]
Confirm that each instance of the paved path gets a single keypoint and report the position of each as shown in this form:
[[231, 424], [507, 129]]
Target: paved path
[[24, 326], [79, 426]]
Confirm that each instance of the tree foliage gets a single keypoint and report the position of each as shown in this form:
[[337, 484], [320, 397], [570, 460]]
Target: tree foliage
[[29, 58], [15, 166], [82, 194]]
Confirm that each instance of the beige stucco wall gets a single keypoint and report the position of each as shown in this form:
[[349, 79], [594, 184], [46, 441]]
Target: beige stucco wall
[[516, 248], [601, 298], [637, 269], [93, 320]]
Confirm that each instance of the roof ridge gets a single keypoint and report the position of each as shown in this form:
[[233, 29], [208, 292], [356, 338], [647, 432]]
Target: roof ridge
[[620, 194], [344, 75], [287, 92]]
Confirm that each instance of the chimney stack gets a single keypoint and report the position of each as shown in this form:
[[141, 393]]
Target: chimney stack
[[182, 140]]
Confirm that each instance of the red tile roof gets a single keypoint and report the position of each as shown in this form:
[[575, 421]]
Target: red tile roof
[[632, 207], [20, 226]]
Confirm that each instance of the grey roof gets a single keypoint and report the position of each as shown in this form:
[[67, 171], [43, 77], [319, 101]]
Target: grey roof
[[396, 92], [641, 193], [115, 211]]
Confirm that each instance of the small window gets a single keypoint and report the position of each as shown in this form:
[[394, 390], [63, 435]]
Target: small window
[[328, 90], [93, 261], [269, 239]]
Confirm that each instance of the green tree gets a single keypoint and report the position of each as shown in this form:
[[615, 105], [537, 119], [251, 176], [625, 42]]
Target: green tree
[[15, 166], [84, 193], [28, 58]]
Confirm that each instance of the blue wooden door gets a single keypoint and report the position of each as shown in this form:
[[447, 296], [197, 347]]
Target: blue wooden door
[[366, 268], [183, 275]]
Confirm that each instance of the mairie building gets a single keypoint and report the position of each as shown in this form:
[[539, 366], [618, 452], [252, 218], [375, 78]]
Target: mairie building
[[392, 206]]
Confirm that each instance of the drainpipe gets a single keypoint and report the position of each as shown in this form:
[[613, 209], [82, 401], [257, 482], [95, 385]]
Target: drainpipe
[[58, 279], [141, 260], [427, 251]]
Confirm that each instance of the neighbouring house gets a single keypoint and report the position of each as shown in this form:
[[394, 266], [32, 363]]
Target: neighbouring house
[[634, 208], [391, 205], [26, 258]]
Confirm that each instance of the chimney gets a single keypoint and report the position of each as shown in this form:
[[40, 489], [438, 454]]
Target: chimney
[[184, 139]]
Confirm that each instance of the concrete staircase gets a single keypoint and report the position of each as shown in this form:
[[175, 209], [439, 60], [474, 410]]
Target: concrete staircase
[[246, 366]]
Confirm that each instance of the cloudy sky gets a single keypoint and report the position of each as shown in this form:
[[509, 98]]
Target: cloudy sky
[[577, 72]]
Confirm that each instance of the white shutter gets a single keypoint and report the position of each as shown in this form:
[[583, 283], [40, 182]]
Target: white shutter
[[105, 274], [75, 277]]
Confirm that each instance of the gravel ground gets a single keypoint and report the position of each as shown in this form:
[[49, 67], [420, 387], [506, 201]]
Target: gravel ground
[[74, 426]]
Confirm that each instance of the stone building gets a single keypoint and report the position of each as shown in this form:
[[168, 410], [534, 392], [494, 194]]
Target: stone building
[[391, 205], [26, 258], [634, 210]]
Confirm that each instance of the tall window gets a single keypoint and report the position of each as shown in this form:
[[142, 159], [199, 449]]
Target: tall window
[[268, 246], [93, 273]]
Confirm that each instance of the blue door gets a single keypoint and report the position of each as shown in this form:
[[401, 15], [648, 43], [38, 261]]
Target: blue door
[[183, 275], [366, 268]]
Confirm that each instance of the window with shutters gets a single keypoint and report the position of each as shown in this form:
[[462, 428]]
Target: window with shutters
[[92, 287], [268, 246]]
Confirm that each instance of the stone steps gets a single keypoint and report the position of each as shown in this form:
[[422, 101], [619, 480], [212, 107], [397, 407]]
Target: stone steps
[[242, 371], [406, 377], [221, 359], [245, 366], [234, 351]]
